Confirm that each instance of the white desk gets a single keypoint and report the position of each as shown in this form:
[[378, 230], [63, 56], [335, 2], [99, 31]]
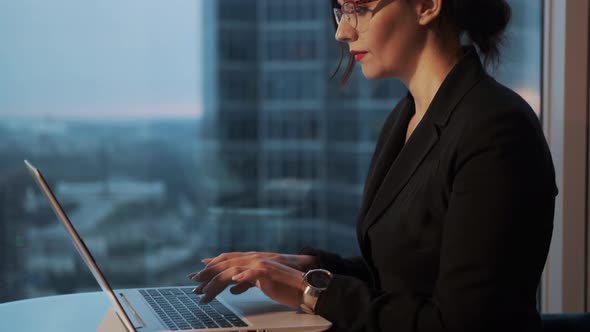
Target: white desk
[[74, 312], [60, 313]]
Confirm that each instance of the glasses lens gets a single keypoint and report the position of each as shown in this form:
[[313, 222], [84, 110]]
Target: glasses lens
[[349, 13], [338, 15]]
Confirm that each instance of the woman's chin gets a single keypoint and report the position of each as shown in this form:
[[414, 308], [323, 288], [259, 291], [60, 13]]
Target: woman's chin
[[372, 74]]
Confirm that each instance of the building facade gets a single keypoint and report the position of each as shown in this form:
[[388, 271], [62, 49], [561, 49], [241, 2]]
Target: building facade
[[297, 144]]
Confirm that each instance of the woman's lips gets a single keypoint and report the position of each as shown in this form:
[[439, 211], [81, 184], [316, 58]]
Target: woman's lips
[[358, 55]]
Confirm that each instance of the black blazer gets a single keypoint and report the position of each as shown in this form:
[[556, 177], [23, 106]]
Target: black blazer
[[455, 224]]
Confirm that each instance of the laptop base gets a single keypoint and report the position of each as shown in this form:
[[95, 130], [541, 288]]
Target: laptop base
[[111, 323]]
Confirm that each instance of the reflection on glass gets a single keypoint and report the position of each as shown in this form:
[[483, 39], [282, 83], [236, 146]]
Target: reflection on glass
[[213, 130]]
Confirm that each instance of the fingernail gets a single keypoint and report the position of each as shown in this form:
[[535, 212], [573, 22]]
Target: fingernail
[[190, 276], [237, 277], [206, 260], [197, 290], [196, 276]]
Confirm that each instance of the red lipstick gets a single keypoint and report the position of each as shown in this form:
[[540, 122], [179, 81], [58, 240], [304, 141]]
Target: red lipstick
[[358, 55]]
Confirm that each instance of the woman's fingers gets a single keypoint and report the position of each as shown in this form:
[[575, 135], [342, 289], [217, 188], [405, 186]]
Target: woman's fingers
[[223, 268], [206, 276], [237, 258], [272, 271], [241, 288], [216, 267], [226, 256], [250, 275], [199, 289], [223, 277], [211, 261], [219, 283], [280, 282], [233, 255]]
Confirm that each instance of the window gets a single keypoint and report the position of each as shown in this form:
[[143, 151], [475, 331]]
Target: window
[[291, 85], [169, 139]]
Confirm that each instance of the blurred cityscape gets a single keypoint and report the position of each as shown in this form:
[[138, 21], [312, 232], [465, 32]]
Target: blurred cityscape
[[276, 160]]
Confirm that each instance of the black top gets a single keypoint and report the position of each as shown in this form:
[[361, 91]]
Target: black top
[[455, 225]]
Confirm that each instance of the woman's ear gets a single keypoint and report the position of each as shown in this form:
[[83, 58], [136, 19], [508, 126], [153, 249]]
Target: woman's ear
[[428, 10]]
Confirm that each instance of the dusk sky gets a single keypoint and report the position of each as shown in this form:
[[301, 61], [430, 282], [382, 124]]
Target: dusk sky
[[100, 59]]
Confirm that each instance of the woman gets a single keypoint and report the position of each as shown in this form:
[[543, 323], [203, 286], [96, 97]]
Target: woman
[[458, 205]]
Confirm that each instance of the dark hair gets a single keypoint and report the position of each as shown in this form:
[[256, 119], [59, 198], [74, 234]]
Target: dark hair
[[482, 21]]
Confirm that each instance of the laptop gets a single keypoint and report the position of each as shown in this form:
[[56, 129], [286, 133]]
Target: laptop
[[177, 308]]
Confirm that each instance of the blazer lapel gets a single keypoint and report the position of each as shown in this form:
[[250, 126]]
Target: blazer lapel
[[457, 83], [392, 145], [398, 174]]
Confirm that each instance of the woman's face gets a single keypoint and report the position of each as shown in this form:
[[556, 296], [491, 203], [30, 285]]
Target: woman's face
[[390, 35]]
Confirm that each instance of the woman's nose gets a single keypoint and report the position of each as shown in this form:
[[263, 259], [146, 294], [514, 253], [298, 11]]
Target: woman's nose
[[345, 32]]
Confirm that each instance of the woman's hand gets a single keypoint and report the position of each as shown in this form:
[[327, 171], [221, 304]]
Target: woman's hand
[[280, 282], [302, 263]]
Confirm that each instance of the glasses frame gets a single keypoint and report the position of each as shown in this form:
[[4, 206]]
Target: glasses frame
[[351, 14]]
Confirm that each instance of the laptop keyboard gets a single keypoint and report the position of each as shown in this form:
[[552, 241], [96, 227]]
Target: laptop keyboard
[[179, 309]]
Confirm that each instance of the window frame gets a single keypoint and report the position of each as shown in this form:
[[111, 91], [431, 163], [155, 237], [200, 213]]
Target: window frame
[[566, 279]]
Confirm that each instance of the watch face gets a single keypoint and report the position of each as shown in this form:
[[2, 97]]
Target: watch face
[[318, 279]]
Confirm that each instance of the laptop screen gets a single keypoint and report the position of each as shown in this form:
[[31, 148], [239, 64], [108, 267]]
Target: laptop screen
[[80, 245]]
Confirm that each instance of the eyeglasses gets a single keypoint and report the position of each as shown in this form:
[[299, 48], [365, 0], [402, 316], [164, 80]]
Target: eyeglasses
[[355, 14]]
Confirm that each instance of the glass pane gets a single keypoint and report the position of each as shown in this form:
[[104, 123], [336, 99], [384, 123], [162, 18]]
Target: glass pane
[[176, 130], [521, 61]]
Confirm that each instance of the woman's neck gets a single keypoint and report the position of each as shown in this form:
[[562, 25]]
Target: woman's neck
[[432, 67]]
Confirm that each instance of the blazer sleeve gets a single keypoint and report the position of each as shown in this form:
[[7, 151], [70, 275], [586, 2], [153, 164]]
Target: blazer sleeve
[[351, 266], [495, 240]]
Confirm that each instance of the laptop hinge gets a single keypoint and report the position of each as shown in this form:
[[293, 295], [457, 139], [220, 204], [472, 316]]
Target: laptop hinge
[[139, 320]]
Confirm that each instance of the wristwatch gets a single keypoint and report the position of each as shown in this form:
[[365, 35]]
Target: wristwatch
[[315, 282]]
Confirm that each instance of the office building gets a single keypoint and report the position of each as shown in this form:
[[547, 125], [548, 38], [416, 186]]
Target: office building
[[295, 145]]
